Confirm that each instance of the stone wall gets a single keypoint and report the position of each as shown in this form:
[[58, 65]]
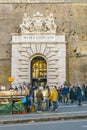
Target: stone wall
[[40, 1], [70, 18]]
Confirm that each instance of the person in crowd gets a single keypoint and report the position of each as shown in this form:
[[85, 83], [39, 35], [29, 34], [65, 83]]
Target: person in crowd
[[24, 85], [60, 93], [72, 93], [27, 91], [31, 89], [20, 88], [11, 88], [57, 89], [66, 83], [35, 86], [16, 88], [49, 93], [86, 92], [54, 97], [65, 92], [79, 94], [84, 88], [40, 98], [28, 102]]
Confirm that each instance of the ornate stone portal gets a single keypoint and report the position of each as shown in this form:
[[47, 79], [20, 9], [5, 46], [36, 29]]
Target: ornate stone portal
[[38, 38]]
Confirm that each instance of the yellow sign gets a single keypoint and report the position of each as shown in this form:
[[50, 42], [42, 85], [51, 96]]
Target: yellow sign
[[10, 79]]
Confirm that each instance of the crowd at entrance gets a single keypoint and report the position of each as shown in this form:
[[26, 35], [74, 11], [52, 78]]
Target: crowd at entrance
[[65, 94]]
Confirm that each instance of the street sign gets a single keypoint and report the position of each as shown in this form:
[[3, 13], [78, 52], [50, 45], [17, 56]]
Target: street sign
[[10, 79]]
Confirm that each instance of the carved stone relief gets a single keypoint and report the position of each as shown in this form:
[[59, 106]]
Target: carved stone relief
[[38, 23]]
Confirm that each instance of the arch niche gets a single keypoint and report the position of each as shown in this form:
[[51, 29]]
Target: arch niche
[[38, 71]]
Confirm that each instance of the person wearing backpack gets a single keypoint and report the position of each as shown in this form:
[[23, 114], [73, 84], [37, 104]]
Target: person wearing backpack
[[28, 103]]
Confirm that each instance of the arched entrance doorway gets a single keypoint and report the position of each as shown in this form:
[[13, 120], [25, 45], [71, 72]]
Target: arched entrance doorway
[[38, 71]]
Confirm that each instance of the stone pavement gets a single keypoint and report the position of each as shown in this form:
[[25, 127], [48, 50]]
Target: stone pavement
[[64, 112]]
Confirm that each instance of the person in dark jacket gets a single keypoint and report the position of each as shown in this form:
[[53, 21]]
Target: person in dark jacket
[[28, 103], [65, 91], [79, 95], [72, 94]]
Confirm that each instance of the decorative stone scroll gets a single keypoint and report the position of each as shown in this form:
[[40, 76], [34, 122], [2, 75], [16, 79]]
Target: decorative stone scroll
[[38, 24]]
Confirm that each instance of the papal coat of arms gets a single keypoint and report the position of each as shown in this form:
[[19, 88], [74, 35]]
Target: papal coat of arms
[[38, 24]]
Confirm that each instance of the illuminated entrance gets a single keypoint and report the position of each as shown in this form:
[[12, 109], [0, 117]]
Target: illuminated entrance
[[38, 71]]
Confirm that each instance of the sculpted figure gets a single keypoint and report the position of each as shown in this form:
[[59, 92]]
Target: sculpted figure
[[27, 25], [50, 25]]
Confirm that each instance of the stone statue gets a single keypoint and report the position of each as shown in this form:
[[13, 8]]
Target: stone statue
[[38, 24], [27, 25], [49, 23]]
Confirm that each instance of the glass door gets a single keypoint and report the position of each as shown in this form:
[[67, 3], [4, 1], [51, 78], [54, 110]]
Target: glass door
[[39, 71]]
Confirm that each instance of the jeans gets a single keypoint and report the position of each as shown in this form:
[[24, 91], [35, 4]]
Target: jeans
[[39, 105], [54, 105]]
